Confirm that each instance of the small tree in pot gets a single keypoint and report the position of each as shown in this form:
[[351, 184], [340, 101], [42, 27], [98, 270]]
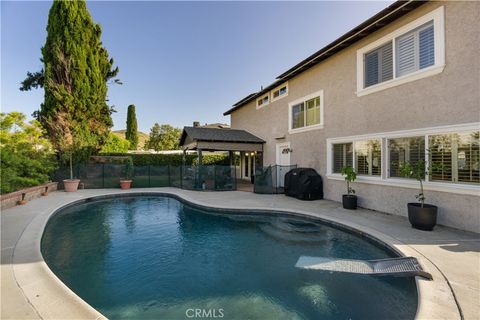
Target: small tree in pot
[[62, 137], [421, 215], [349, 200], [126, 181]]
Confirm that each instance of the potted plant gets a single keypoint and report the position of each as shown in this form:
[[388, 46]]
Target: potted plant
[[71, 185], [62, 136], [421, 215], [126, 181], [349, 200]]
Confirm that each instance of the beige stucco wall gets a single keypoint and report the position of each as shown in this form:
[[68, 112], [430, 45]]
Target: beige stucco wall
[[451, 97]]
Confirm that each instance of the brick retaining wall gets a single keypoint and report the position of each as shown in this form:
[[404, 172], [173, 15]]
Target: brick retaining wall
[[11, 199]]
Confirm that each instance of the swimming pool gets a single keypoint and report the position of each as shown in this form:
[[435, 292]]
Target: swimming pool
[[156, 257]]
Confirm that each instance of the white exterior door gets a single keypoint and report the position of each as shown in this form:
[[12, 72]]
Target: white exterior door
[[283, 159]]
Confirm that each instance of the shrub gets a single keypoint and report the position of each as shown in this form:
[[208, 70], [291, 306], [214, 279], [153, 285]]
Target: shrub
[[26, 158], [115, 144], [172, 159]]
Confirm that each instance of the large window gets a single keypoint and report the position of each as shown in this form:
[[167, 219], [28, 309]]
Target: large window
[[368, 157], [451, 157], [411, 52], [342, 156], [404, 150], [306, 113], [455, 157]]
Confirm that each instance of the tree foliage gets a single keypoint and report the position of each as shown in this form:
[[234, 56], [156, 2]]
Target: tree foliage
[[163, 137], [350, 176], [131, 133], [115, 144], [76, 70], [27, 158]]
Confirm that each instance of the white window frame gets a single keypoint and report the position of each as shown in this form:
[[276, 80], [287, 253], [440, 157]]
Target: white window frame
[[438, 18], [266, 95], [304, 100], [272, 99], [443, 186]]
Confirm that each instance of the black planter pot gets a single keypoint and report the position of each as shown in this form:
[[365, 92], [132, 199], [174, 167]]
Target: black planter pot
[[422, 218], [349, 201]]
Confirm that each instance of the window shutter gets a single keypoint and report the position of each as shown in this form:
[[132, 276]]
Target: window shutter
[[342, 156], [406, 54], [386, 63], [427, 47], [371, 68], [441, 158]]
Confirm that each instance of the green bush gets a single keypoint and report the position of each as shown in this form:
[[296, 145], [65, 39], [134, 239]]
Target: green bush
[[115, 144], [26, 158], [172, 159]]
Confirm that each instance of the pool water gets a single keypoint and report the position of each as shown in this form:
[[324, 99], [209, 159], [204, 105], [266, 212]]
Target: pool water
[[152, 257]]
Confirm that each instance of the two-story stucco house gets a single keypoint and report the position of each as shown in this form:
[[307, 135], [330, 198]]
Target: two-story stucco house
[[402, 86]]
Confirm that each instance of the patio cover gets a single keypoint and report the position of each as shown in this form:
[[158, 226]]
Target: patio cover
[[219, 139]]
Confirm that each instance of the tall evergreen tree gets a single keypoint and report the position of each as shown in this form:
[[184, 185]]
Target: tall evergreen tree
[[131, 133], [76, 70]]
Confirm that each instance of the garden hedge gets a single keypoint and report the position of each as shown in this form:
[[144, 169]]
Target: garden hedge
[[156, 159]]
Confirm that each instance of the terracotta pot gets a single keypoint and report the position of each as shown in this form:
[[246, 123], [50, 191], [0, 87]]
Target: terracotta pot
[[22, 202], [125, 184], [71, 185]]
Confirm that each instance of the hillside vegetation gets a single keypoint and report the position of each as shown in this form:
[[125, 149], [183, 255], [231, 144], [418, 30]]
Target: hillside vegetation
[[142, 137]]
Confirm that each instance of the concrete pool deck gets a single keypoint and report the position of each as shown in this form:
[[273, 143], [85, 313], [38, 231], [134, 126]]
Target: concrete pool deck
[[29, 290]]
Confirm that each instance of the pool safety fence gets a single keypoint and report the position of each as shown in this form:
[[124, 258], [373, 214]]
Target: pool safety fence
[[191, 177], [271, 179]]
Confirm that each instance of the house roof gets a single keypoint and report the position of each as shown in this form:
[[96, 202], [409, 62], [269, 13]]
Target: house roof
[[218, 135], [378, 21]]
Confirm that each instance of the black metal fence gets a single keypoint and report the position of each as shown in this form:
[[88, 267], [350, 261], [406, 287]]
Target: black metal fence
[[271, 179], [192, 177]]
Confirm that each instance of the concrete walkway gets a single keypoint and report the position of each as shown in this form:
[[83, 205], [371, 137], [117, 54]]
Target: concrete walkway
[[30, 291]]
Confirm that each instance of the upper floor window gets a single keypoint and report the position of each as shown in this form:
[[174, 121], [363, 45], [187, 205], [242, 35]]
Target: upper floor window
[[263, 101], [414, 51], [306, 113], [379, 65], [280, 92]]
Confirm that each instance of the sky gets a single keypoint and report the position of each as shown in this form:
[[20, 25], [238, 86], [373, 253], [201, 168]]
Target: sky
[[181, 61]]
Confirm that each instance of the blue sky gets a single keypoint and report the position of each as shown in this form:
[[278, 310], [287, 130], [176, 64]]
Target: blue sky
[[181, 61]]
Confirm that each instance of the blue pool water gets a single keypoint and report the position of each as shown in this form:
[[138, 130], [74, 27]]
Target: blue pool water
[[150, 257]]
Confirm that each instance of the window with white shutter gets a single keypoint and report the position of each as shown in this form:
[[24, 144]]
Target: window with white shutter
[[368, 157], [379, 65], [455, 157], [342, 156], [415, 50], [403, 150]]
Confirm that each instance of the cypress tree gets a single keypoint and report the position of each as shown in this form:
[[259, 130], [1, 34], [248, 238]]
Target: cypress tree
[[75, 74], [131, 134]]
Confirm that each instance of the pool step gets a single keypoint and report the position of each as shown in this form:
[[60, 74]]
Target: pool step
[[407, 266]]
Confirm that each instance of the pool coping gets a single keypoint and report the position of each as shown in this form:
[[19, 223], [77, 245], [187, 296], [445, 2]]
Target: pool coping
[[52, 299]]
